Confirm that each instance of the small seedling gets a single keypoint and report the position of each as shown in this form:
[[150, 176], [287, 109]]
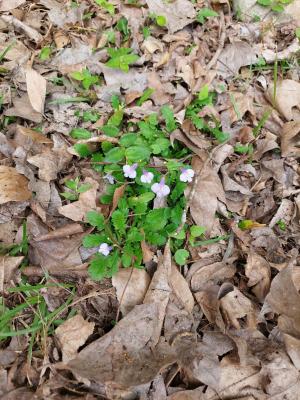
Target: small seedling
[[204, 14], [110, 8], [86, 78], [159, 20], [121, 58], [145, 96], [243, 148], [146, 32], [45, 53], [122, 26], [281, 225], [75, 189]]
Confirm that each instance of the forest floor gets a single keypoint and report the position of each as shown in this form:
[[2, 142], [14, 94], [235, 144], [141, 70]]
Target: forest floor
[[149, 199]]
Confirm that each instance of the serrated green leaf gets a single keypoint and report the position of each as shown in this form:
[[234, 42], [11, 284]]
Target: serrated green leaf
[[110, 130], [134, 235], [95, 219], [160, 145], [137, 153], [156, 238], [156, 219], [128, 139], [104, 267], [168, 116], [205, 13], [119, 221], [80, 133], [116, 118], [115, 155], [181, 256], [77, 75]]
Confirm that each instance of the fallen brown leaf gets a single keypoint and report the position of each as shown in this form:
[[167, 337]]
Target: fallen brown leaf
[[258, 272], [205, 202], [77, 210], [34, 135], [7, 5], [22, 108], [8, 266], [72, 334], [290, 139], [36, 89], [131, 285], [287, 96], [13, 186], [178, 14]]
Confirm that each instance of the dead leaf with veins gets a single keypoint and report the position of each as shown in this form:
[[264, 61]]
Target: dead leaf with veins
[[258, 272], [13, 186], [22, 108], [72, 334], [131, 285]]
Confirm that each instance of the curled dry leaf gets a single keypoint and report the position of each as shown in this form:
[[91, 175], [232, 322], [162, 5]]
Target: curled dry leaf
[[235, 56], [213, 273], [77, 210], [290, 138], [36, 89], [50, 162], [287, 96], [178, 14], [72, 334], [33, 135], [13, 186], [205, 202], [258, 272], [131, 286]]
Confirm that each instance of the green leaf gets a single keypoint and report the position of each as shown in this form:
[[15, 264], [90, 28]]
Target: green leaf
[[104, 267], [265, 3], [160, 145], [146, 32], [94, 240], [71, 184], [156, 219], [126, 259], [145, 96], [77, 75], [156, 238], [161, 20], [243, 148], [84, 188], [179, 236], [80, 133], [205, 13], [204, 93], [134, 235], [45, 53], [137, 153], [107, 6], [197, 230], [116, 118], [168, 116], [219, 135], [277, 8], [69, 196], [82, 149], [119, 221], [115, 155], [95, 219], [120, 58], [110, 130], [181, 256], [128, 139]]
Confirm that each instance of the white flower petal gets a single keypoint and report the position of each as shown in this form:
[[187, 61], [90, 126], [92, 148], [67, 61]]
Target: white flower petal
[[155, 187], [165, 190]]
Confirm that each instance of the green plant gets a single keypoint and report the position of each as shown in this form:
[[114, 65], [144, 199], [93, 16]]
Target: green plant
[[204, 14], [85, 77], [297, 33], [45, 53], [121, 58], [75, 189], [145, 96], [274, 5], [110, 8], [122, 26], [159, 20], [205, 98]]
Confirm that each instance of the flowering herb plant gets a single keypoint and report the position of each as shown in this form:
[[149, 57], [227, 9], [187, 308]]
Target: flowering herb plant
[[152, 174]]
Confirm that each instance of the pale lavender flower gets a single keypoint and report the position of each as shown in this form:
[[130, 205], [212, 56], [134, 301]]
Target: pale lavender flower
[[187, 175], [109, 178], [104, 249], [147, 177], [130, 171], [160, 189]]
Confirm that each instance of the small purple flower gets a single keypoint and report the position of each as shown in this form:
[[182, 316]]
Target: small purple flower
[[109, 178], [104, 249], [130, 171], [147, 177], [187, 175], [160, 189]]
